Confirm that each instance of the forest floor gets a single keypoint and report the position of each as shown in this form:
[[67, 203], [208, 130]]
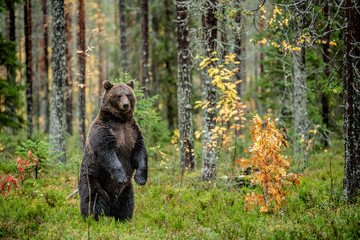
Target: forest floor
[[175, 206]]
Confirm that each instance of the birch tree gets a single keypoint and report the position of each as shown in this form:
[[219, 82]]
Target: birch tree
[[58, 68], [351, 102], [186, 153]]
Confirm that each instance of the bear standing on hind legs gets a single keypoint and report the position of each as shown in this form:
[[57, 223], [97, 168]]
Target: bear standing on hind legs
[[113, 152]]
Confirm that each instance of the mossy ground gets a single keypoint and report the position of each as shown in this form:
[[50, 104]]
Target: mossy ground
[[175, 206]]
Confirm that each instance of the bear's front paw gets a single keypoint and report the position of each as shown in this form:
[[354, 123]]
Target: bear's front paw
[[140, 177]]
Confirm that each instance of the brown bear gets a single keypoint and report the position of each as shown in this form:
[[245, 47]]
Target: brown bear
[[113, 152]]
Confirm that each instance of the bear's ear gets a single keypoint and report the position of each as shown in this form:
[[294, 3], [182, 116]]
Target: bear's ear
[[107, 85], [131, 84]]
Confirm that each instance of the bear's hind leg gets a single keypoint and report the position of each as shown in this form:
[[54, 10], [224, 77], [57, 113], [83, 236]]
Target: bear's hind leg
[[98, 205], [124, 206]]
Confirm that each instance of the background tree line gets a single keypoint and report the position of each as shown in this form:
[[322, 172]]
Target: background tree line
[[292, 58]]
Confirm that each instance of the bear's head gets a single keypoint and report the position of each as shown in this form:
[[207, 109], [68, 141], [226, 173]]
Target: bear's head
[[119, 99]]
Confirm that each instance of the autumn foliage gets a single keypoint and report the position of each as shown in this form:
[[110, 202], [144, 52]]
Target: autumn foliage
[[229, 106], [270, 166], [9, 181]]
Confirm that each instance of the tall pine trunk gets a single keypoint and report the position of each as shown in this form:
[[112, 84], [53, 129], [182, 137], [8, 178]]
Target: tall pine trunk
[[209, 157], [46, 66], [29, 71], [58, 68], [299, 83], [186, 153], [144, 47], [82, 73], [123, 46], [69, 84], [351, 86]]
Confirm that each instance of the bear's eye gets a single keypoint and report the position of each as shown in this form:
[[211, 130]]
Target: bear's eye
[[128, 95], [119, 96]]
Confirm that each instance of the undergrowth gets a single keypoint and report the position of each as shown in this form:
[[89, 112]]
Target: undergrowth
[[176, 206]]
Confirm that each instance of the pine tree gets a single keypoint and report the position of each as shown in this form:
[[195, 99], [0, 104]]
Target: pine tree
[[351, 84]]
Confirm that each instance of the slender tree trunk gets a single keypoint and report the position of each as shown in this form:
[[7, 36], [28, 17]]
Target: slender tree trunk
[[144, 47], [11, 72], [29, 72], [58, 68], [209, 23], [184, 89], [69, 84], [167, 80], [123, 46], [46, 66], [101, 59], [326, 60], [82, 73], [262, 106], [351, 86], [299, 81], [238, 51]]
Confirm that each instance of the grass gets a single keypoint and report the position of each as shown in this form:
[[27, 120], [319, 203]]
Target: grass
[[172, 206]]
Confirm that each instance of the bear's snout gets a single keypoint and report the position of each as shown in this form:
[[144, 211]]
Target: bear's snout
[[126, 105]]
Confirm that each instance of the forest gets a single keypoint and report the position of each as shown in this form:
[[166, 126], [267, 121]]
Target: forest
[[246, 123]]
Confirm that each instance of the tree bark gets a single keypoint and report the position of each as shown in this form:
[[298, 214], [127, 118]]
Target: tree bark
[[69, 84], [46, 66], [82, 73], [299, 80], [326, 60], [58, 68], [11, 71], [29, 72], [351, 86], [123, 46], [209, 23], [144, 47], [186, 153], [100, 43]]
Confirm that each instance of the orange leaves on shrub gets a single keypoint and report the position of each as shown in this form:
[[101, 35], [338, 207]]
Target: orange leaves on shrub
[[8, 180], [269, 165]]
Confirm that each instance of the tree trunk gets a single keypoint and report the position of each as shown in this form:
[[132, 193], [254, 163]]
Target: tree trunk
[[299, 81], [82, 73], [351, 86], [262, 106], [123, 46], [209, 23], [69, 84], [238, 51], [11, 71], [326, 60], [100, 43], [58, 68], [29, 72], [186, 153], [144, 47], [46, 67]]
